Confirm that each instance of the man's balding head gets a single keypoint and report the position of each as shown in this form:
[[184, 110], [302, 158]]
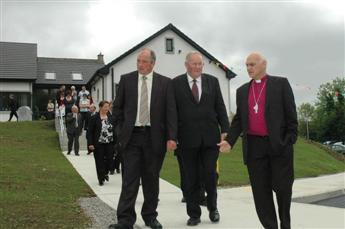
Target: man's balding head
[[256, 65]]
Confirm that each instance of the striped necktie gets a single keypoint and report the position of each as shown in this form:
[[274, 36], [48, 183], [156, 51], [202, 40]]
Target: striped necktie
[[144, 116]]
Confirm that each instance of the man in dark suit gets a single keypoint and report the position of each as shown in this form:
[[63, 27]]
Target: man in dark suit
[[145, 121], [266, 116], [202, 117], [73, 129]]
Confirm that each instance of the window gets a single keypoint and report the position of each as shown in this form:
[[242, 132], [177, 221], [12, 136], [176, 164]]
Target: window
[[77, 76], [50, 76], [169, 45]]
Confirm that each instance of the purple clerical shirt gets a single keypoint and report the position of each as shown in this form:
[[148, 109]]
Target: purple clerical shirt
[[256, 120]]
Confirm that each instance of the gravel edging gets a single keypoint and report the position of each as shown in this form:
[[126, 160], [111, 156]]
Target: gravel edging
[[100, 213]]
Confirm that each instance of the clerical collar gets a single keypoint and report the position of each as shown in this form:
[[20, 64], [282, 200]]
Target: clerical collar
[[261, 80]]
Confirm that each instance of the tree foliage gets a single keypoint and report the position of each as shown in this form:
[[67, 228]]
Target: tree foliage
[[328, 115]]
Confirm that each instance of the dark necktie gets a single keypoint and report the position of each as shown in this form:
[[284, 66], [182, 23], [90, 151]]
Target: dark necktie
[[195, 91]]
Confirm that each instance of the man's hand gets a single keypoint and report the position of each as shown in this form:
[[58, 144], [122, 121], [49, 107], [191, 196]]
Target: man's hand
[[91, 147], [224, 146], [171, 145]]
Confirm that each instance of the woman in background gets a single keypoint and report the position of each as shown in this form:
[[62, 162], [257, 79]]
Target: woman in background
[[100, 140]]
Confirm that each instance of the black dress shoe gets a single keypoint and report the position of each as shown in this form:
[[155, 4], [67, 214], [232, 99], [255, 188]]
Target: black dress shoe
[[111, 172], [69, 152], [214, 216], [183, 200], [154, 224], [193, 221], [116, 226], [106, 177], [118, 171], [101, 183]]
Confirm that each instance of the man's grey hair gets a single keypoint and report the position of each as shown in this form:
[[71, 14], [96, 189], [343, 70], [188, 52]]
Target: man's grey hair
[[192, 53], [152, 54]]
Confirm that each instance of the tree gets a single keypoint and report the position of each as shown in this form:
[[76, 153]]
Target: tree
[[330, 111], [305, 116]]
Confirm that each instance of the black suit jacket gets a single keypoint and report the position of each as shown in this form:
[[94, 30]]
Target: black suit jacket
[[95, 127], [162, 112], [70, 124], [280, 116], [200, 122]]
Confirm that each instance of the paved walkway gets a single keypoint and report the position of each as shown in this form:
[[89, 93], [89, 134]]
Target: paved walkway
[[235, 204]]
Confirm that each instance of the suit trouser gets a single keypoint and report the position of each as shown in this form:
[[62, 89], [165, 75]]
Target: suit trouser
[[139, 162], [11, 115], [191, 159], [73, 137], [117, 161], [182, 179], [83, 116], [270, 172], [103, 159]]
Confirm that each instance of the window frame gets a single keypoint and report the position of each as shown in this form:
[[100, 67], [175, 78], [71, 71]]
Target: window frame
[[172, 51], [46, 74], [76, 73]]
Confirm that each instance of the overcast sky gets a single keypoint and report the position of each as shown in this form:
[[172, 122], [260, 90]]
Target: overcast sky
[[303, 41]]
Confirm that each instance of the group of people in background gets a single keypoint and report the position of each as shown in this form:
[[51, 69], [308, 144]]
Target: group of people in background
[[80, 115]]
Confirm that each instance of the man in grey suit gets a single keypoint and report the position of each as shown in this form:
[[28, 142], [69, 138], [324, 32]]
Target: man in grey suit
[[145, 124], [73, 129], [267, 119]]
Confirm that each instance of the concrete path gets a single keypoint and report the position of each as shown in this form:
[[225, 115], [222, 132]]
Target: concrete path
[[235, 204]]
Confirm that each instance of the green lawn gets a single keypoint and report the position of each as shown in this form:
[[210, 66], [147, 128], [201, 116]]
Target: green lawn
[[38, 187], [310, 161]]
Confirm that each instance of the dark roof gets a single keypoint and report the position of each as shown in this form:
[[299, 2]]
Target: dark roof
[[18, 61], [63, 69], [105, 70]]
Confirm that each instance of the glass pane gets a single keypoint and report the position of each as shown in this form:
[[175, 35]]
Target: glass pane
[[77, 76], [169, 45]]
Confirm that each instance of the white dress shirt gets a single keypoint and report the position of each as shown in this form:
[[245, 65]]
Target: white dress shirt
[[149, 89], [198, 84]]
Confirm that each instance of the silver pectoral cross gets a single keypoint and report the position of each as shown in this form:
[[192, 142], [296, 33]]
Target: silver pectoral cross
[[256, 108]]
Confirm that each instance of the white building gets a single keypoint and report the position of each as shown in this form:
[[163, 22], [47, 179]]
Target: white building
[[171, 47]]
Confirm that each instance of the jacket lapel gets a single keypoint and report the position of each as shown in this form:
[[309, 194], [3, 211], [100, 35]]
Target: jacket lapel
[[268, 93], [154, 90], [204, 88], [245, 106], [134, 84]]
